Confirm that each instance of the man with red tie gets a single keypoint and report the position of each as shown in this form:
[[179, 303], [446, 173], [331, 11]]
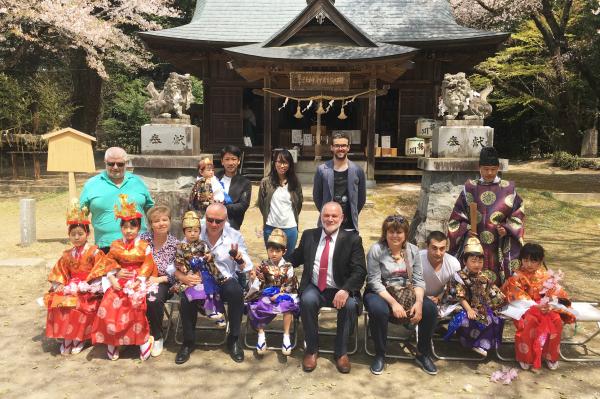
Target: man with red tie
[[334, 272]]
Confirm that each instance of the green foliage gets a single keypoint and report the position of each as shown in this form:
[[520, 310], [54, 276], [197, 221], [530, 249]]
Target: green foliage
[[124, 113], [197, 90], [564, 160], [41, 100]]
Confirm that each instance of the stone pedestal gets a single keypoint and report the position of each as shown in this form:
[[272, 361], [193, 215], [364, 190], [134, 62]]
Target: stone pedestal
[[461, 141], [170, 179], [169, 138], [442, 181]]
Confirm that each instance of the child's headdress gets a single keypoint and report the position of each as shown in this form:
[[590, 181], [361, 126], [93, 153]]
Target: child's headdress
[[190, 219], [278, 237], [128, 209], [473, 247], [76, 214]]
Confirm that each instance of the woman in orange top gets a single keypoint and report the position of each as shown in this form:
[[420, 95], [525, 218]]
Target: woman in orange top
[[539, 329], [121, 317], [71, 301]]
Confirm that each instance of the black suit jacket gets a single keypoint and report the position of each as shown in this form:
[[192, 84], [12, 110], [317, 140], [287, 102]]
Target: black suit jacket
[[240, 192], [349, 269]]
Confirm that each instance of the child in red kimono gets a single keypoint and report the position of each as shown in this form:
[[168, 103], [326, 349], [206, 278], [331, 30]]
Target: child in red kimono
[[72, 301], [121, 317], [539, 329]]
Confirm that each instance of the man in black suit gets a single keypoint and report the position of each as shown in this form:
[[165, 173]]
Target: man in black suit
[[334, 272], [237, 187]]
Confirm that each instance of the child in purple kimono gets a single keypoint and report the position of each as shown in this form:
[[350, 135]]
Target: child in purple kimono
[[273, 290], [477, 325]]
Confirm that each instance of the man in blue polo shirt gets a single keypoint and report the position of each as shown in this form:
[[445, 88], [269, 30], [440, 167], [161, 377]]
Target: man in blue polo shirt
[[101, 193]]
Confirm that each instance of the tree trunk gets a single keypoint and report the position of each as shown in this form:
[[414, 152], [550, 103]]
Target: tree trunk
[[86, 96]]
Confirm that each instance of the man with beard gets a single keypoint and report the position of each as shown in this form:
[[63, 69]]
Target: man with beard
[[333, 274], [342, 181]]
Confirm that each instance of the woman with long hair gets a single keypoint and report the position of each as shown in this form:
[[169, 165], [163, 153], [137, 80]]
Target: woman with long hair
[[280, 199]]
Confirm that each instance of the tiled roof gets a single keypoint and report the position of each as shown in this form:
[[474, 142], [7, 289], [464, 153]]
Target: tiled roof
[[321, 52], [391, 21]]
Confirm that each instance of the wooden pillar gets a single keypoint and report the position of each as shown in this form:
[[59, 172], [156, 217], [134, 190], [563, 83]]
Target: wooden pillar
[[267, 124], [372, 120]]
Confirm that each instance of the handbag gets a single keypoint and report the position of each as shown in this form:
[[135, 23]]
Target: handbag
[[402, 290]]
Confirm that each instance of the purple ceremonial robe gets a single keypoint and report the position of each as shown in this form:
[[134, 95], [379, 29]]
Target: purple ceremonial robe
[[498, 204]]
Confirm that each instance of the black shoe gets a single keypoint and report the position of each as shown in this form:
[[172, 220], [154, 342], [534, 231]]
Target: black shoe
[[184, 354], [378, 365], [236, 352], [426, 364]]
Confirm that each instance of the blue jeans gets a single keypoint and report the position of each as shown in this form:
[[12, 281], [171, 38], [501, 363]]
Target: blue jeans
[[291, 234]]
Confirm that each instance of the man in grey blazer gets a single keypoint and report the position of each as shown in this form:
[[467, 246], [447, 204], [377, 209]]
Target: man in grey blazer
[[342, 181]]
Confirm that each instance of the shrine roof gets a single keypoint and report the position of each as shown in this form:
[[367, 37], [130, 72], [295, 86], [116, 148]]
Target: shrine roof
[[229, 22], [321, 51]]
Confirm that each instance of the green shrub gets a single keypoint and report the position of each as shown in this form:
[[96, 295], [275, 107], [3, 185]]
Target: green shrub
[[564, 160]]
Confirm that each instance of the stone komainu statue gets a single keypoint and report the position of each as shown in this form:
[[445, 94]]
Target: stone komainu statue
[[175, 98], [458, 99]]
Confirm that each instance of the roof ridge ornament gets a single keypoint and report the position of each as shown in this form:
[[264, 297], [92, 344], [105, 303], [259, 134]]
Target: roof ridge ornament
[[321, 16]]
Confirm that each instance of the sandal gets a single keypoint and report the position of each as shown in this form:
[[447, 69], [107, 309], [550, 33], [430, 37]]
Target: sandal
[[286, 349], [66, 349], [77, 347], [145, 354], [114, 354]]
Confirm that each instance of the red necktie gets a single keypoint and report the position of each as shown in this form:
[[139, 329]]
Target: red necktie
[[323, 265]]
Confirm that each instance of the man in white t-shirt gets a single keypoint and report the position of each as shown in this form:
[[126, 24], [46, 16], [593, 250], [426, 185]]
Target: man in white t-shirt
[[438, 266]]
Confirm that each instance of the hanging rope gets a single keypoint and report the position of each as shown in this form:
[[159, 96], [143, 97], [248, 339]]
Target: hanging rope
[[320, 96]]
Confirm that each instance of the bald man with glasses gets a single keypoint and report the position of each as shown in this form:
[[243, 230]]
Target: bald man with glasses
[[101, 193], [230, 255]]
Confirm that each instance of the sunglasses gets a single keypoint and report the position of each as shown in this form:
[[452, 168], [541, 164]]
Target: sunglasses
[[395, 218], [215, 221], [119, 164]]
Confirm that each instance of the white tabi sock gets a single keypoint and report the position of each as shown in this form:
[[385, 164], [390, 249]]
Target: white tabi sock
[[261, 339], [286, 340]]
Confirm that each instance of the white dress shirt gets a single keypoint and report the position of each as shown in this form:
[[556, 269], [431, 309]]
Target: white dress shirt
[[220, 251], [316, 265]]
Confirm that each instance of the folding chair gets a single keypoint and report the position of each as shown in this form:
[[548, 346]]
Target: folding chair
[[405, 341], [588, 312], [328, 333], [168, 316], [293, 332], [438, 338], [201, 325]]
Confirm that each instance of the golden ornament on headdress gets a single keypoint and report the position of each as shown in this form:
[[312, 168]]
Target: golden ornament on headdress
[[76, 214], [278, 237], [473, 246], [128, 210], [190, 219]]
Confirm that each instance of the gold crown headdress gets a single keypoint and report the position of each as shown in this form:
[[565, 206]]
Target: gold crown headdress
[[190, 219], [128, 209], [278, 237], [473, 246], [76, 214]]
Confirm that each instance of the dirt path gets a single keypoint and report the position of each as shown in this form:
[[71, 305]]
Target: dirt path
[[32, 367]]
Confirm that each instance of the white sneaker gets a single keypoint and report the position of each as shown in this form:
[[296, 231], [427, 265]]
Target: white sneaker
[[481, 351], [552, 365], [525, 366], [157, 348], [77, 347]]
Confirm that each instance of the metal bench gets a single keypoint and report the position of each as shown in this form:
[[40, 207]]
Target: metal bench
[[327, 333], [201, 325], [406, 343], [293, 332]]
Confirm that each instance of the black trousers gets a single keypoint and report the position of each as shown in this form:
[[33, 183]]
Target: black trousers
[[155, 310], [379, 314], [311, 301], [231, 292]]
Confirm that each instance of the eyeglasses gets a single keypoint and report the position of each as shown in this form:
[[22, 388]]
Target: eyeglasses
[[112, 164], [215, 221], [395, 218], [340, 145]]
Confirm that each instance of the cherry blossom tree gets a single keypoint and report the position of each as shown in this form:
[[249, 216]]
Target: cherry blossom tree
[[564, 27], [86, 35]]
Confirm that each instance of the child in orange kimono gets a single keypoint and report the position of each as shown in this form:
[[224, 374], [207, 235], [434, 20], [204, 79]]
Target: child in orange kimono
[[72, 301], [121, 317], [539, 329]]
